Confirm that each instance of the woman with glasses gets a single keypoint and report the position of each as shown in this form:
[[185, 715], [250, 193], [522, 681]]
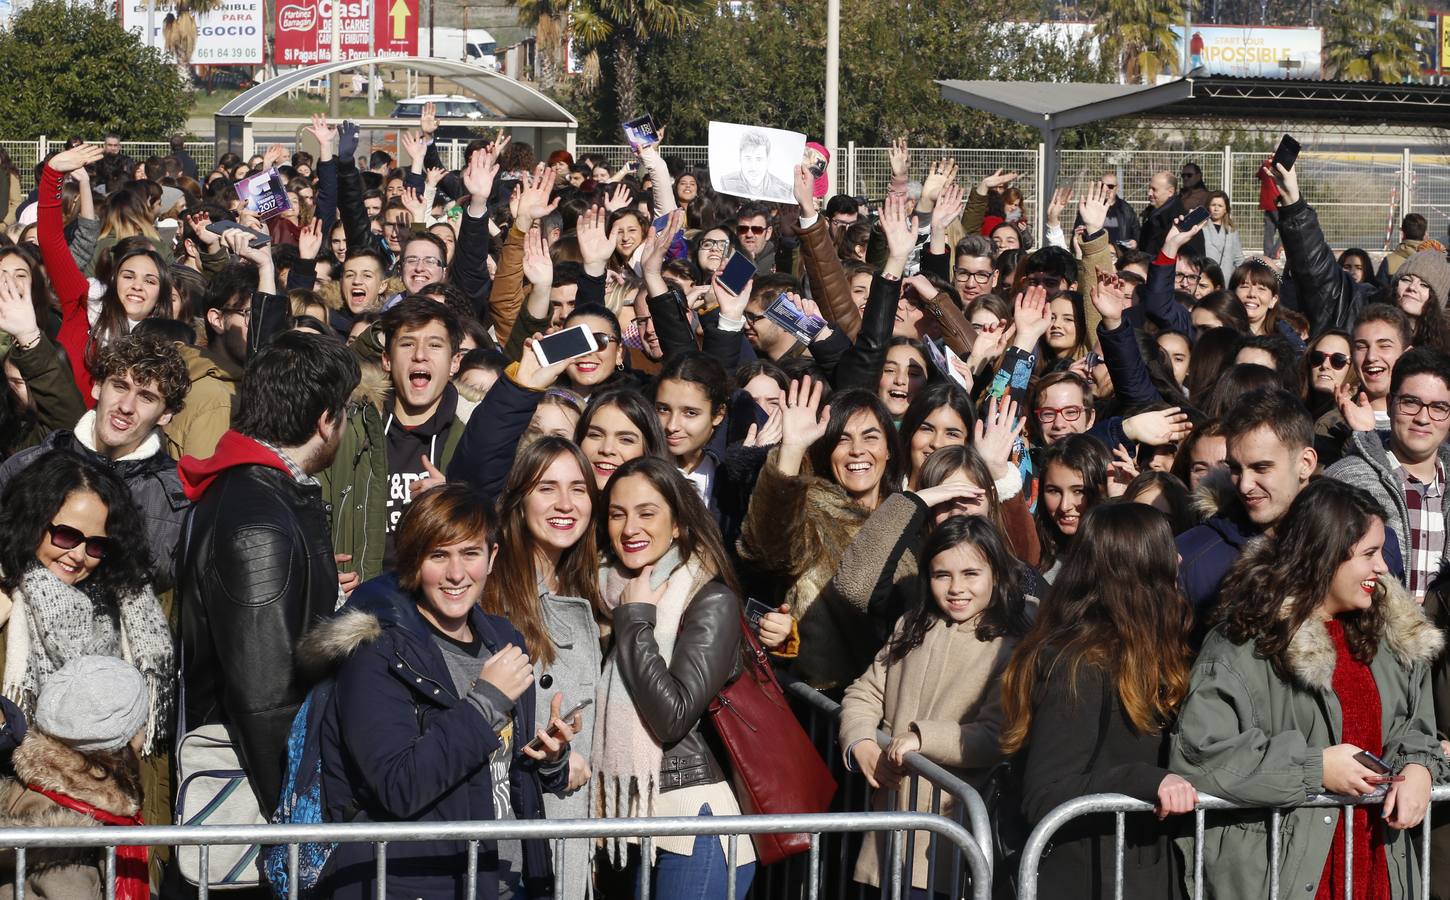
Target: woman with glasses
[[590, 372], [75, 580], [1326, 367]]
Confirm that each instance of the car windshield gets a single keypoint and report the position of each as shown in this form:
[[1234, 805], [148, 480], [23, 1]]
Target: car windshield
[[408, 110]]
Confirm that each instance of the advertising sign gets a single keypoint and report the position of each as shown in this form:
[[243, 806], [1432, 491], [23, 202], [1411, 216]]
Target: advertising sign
[[304, 30], [230, 35], [1254, 52]]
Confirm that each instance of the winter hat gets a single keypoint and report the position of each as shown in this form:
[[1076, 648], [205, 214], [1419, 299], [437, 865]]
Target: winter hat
[[1430, 267], [823, 182], [93, 703]]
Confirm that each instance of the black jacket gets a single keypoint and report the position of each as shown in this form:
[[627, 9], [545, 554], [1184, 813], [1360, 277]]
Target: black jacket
[[256, 570], [1327, 295], [1157, 221], [672, 698], [860, 367]]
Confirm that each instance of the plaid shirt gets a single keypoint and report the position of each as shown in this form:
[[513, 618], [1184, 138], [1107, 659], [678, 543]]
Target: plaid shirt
[[1426, 528]]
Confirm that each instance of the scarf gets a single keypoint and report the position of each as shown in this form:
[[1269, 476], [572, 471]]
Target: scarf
[[53, 622], [133, 881], [626, 756]]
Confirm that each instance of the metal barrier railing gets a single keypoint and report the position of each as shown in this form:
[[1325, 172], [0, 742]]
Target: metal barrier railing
[[383, 834], [1120, 805], [820, 715]]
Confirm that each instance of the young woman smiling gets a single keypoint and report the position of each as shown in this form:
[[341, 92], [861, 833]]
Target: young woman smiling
[[618, 425], [903, 374], [817, 488], [676, 621], [592, 371], [1074, 477]]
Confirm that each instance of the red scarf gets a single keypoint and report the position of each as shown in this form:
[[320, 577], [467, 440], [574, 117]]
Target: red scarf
[[133, 881]]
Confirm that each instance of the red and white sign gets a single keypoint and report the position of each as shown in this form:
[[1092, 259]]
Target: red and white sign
[[304, 30]]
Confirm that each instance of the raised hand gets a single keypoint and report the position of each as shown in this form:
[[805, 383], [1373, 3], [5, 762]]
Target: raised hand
[[435, 175], [347, 137], [412, 142], [428, 121], [239, 242], [1121, 471], [595, 243], [309, 239], [209, 239], [999, 178], [732, 306], [657, 244], [996, 433], [616, 199], [17, 313], [769, 434], [538, 265], [413, 203], [532, 375], [1159, 427], [274, 157], [804, 188], [478, 178], [1355, 407], [949, 492], [534, 202], [1031, 317], [803, 421], [75, 157], [326, 136], [948, 208], [1288, 182], [900, 158], [1093, 207], [942, 173], [900, 229], [1061, 198], [1112, 298], [1175, 239]]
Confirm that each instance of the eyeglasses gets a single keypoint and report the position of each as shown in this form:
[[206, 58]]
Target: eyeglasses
[[1110, 185], [974, 277], [751, 318], [245, 312], [1185, 279], [750, 229], [423, 261], [1048, 414], [1336, 361], [1410, 405], [714, 244], [65, 537]]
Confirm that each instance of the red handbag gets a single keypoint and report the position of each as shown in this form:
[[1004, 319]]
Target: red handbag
[[777, 769]]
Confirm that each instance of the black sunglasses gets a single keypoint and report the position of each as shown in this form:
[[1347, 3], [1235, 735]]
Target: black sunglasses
[[1336, 361], [68, 538]]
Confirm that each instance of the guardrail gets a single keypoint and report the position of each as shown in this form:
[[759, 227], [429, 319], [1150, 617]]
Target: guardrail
[[1121, 805], [968, 810], [383, 834]]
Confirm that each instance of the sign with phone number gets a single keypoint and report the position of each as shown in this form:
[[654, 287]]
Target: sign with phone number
[[230, 35]]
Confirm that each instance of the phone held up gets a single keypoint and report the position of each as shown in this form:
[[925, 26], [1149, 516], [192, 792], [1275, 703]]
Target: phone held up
[[564, 345], [579, 707]]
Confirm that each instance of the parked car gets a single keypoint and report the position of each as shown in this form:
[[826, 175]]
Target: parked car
[[454, 111]]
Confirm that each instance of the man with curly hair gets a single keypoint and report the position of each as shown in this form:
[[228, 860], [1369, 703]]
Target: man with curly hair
[[141, 383]]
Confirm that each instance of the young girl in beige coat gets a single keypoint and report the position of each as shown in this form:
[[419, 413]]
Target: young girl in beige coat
[[935, 686]]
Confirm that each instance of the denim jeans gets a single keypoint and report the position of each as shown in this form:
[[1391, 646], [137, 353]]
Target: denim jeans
[[699, 876]]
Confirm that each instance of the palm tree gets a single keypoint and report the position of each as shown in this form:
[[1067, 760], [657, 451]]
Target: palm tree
[[625, 26], [546, 18], [1373, 40], [1139, 35]]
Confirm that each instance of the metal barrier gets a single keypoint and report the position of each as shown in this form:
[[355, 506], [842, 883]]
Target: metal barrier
[[1121, 805], [819, 715], [383, 834]]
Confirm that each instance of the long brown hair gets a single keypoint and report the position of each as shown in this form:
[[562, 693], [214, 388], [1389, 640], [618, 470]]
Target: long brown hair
[[1114, 606], [699, 537], [1315, 537], [512, 590]]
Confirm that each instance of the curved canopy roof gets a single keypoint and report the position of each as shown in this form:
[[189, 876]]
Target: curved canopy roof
[[510, 99]]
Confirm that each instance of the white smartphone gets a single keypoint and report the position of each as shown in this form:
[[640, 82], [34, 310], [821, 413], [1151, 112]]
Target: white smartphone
[[565, 345]]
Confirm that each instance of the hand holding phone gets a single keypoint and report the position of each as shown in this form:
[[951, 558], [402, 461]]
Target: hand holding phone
[[537, 744], [1192, 218], [1286, 154], [1383, 772], [564, 345], [736, 273], [259, 238]]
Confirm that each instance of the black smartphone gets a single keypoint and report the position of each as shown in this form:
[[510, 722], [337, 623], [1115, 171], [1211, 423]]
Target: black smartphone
[[736, 273], [259, 238], [1194, 216], [1287, 153], [1370, 761]]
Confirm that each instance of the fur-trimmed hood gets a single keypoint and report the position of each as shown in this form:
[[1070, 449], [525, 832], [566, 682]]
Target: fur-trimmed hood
[[1311, 656], [48, 764], [1216, 495], [329, 643], [373, 388]]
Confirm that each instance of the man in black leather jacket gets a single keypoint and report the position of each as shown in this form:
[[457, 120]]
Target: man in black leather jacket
[[256, 564]]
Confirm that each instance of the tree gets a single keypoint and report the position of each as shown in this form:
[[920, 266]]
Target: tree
[[1138, 35], [545, 18], [624, 27], [1373, 40], [71, 68]]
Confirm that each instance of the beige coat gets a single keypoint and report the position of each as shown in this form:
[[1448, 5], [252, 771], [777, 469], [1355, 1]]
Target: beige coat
[[947, 691]]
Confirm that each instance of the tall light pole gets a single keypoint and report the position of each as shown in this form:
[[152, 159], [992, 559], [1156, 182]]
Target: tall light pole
[[833, 88]]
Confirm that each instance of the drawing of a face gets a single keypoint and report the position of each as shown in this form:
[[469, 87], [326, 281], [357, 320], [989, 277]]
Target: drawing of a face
[[754, 162]]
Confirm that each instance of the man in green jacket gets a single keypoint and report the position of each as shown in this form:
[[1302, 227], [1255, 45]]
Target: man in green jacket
[[400, 435]]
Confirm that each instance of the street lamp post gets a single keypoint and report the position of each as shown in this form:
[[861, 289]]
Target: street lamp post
[[833, 87]]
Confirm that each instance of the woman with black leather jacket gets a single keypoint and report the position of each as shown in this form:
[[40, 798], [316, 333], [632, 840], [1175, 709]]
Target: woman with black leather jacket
[[677, 633]]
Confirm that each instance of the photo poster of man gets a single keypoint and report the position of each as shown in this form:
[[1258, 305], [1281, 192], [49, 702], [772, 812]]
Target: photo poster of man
[[264, 194], [755, 162]]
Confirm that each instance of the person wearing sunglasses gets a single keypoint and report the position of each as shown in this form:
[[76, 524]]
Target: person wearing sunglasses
[[1327, 365], [752, 226], [1405, 473], [592, 371], [75, 574]]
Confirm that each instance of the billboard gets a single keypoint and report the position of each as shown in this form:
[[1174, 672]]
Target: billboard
[[304, 30], [230, 35], [1254, 52]]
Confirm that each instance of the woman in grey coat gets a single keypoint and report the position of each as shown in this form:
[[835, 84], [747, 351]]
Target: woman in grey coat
[[1221, 245], [545, 582]]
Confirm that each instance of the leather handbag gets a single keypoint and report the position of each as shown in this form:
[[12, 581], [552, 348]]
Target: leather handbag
[[777, 769]]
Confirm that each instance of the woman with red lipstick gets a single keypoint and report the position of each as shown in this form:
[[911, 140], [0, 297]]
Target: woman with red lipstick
[[675, 613], [594, 371], [1318, 656], [545, 583]]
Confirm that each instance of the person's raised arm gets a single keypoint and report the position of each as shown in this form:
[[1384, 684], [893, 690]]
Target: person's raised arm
[[350, 190], [325, 206], [538, 269], [58, 403], [71, 287], [1330, 298], [469, 271], [1097, 254], [1158, 303], [1113, 298], [976, 209], [824, 272], [596, 245], [662, 186]]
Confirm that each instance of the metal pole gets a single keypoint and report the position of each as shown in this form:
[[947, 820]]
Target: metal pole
[[1187, 36], [833, 85], [334, 105], [150, 22], [372, 52], [433, 42]]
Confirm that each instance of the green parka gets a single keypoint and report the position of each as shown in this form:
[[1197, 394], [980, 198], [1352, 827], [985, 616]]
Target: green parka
[[1248, 736]]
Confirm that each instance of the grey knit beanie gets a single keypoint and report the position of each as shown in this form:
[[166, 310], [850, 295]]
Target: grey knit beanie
[[93, 703], [1430, 267]]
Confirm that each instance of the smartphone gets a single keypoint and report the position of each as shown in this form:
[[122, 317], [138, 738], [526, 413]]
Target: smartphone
[[1194, 216], [641, 132], [259, 238], [785, 314], [1287, 153], [579, 707], [565, 345], [736, 273], [1383, 772]]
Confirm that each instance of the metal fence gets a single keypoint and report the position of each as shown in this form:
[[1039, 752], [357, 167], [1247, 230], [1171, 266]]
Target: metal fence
[[1120, 806], [27, 154], [948, 795], [381, 835]]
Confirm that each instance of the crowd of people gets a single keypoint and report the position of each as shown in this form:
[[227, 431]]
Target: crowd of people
[[1129, 512]]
